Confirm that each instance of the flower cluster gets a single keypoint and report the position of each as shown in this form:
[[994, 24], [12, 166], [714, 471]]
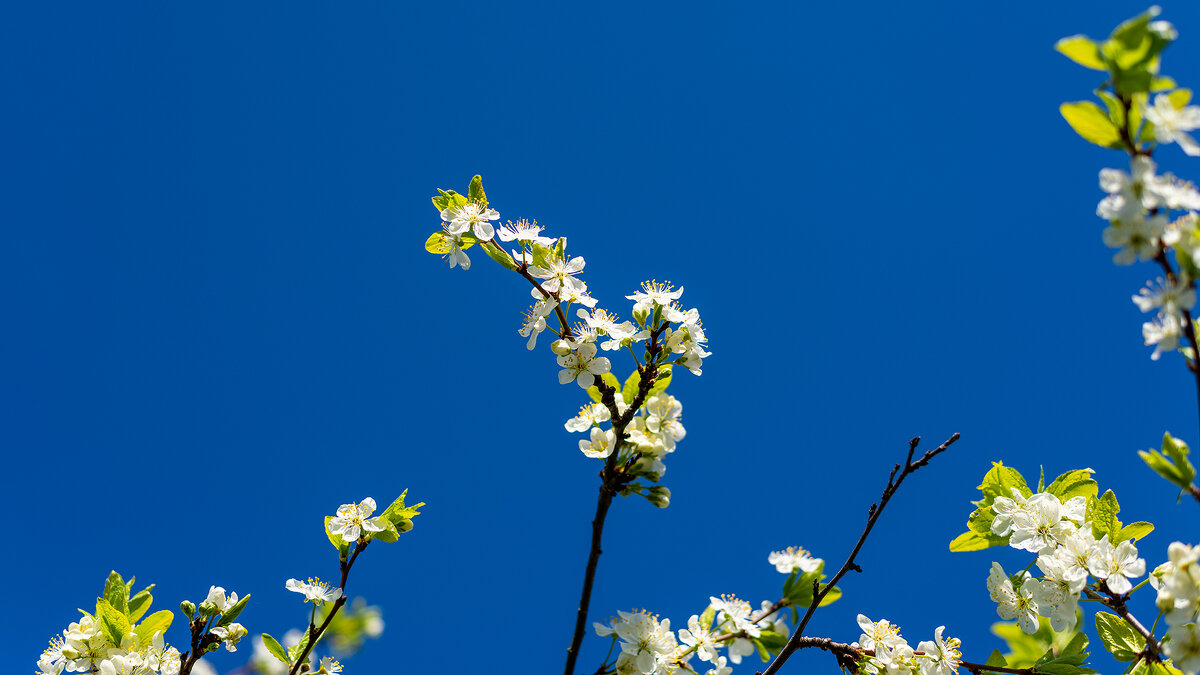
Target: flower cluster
[[647, 644], [1138, 207], [84, 648], [1178, 584], [1068, 554], [884, 651]]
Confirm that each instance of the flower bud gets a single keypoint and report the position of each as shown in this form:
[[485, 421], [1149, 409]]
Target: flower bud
[[208, 609], [560, 347], [188, 608], [660, 496]]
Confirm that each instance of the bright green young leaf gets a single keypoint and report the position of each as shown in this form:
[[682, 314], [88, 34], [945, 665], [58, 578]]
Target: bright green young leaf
[[772, 641], [1067, 661], [157, 622], [297, 649], [762, 651], [662, 380], [276, 649], [397, 512], [629, 391], [113, 622], [117, 593], [1116, 109], [1076, 483], [139, 603], [612, 381], [1102, 511], [1083, 51], [475, 191], [499, 255], [232, 613], [542, 255], [337, 541], [973, 541], [438, 243], [594, 393], [996, 659], [1180, 98], [387, 535], [1162, 83], [999, 481], [448, 199], [1132, 531], [1118, 636], [1090, 122]]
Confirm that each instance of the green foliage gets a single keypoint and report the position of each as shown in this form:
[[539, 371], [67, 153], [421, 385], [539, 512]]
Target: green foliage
[[1070, 660], [499, 255], [448, 199], [798, 588], [232, 613], [1076, 483], [999, 481], [475, 191], [1090, 122], [1172, 462], [1119, 637], [440, 243], [609, 379], [1025, 649], [157, 622], [337, 541], [1085, 52], [139, 603], [116, 592], [113, 622], [661, 382], [276, 649], [1102, 512]]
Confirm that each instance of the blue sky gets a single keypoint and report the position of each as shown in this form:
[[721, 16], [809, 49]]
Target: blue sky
[[221, 323]]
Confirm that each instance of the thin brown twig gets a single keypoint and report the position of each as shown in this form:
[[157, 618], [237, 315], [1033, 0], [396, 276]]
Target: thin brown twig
[[847, 655], [610, 479], [893, 484], [314, 632]]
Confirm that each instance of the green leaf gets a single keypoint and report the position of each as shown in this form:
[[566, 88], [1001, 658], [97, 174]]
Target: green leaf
[[1067, 661], [1162, 83], [1083, 51], [1117, 634], [139, 603], [298, 649], [772, 641], [388, 534], [276, 649], [831, 597], [448, 199], [762, 651], [1074, 484], [398, 514], [594, 392], [542, 255], [499, 255], [1000, 481], [232, 613], [1041, 478], [612, 381], [1180, 98], [475, 191], [157, 622], [1091, 123], [996, 659], [973, 541], [337, 541], [629, 391], [662, 380], [1177, 451], [439, 243], [800, 593], [117, 594], [112, 621], [1132, 531], [1116, 109], [1103, 512]]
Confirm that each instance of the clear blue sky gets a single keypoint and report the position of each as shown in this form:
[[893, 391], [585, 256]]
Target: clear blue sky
[[220, 322]]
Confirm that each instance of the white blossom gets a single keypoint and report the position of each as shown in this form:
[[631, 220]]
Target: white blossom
[[354, 519]]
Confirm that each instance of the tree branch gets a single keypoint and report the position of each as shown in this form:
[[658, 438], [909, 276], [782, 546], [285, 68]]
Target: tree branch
[[1117, 604], [893, 485], [848, 655]]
